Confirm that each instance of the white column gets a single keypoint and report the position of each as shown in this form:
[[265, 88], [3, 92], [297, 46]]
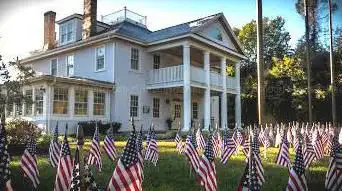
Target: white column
[[223, 94], [237, 97], [186, 88], [207, 114]]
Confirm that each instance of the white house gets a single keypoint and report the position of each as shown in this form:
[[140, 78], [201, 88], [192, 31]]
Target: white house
[[115, 68]]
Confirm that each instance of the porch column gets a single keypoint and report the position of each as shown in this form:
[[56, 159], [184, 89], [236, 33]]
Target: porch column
[[186, 88], [237, 97], [206, 113], [223, 94]]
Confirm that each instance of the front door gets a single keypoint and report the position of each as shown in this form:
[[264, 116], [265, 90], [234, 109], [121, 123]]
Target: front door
[[176, 113]]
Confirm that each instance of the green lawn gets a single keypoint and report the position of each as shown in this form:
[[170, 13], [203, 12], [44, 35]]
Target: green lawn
[[172, 172]]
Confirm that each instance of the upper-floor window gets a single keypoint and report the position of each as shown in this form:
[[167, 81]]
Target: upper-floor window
[[60, 100], [70, 65], [156, 107], [67, 32], [81, 102], [216, 34], [135, 59], [156, 61], [28, 102], [99, 103], [134, 106], [53, 67], [100, 58]]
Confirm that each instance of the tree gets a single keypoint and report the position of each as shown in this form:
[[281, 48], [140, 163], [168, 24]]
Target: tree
[[13, 76]]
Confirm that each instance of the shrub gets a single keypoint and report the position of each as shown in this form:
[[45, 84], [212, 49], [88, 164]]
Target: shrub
[[89, 127], [19, 131]]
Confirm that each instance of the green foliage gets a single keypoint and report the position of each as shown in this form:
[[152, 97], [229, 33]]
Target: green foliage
[[20, 131], [89, 127]]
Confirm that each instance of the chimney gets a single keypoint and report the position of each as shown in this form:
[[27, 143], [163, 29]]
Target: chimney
[[49, 30], [89, 18]]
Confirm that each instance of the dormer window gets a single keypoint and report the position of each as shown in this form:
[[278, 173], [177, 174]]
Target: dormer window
[[67, 32]]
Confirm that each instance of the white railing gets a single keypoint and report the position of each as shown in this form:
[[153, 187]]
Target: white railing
[[231, 83], [197, 75], [215, 80], [166, 75]]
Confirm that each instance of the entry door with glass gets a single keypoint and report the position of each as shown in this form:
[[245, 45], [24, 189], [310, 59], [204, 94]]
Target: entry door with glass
[[177, 114]]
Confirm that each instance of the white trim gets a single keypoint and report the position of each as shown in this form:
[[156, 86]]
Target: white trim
[[159, 110], [55, 58], [104, 58]]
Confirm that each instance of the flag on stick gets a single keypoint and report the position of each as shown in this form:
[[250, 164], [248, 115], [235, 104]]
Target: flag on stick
[[333, 179], [309, 152], [94, 151], [152, 153], [229, 147], [109, 144], [191, 152], [76, 176], [28, 163], [200, 139], [283, 157], [54, 149]]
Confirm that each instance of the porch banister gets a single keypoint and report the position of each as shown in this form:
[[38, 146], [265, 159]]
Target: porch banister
[[186, 88], [207, 114], [238, 96], [223, 94]]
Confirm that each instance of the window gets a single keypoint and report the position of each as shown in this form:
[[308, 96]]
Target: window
[[10, 109], [19, 108], [134, 106], [39, 101], [135, 59], [177, 111], [99, 103], [66, 33], [60, 101], [216, 34], [194, 110], [100, 58], [156, 107], [156, 61], [28, 103], [53, 67], [81, 102], [70, 65]]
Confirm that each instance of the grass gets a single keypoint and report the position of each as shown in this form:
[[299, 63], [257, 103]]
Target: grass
[[172, 172]]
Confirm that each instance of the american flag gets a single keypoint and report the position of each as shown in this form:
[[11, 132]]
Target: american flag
[[139, 145], [206, 170], [54, 149], [217, 143], [191, 152], [5, 172], [200, 140], [256, 157], [89, 180], [297, 180], [289, 136], [94, 151], [283, 157], [148, 138], [333, 179], [278, 138], [245, 148], [76, 177], [229, 147], [109, 145], [244, 181], [64, 169], [127, 175], [295, 142], [179, 143], [152, 153], [239, 137], [28, 163], [318, 146], [309, 152]]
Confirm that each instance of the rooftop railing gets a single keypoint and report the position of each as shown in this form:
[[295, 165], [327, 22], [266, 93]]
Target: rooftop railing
[[122, 15]]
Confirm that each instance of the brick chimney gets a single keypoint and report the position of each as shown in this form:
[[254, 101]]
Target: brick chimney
[[49, 30], [89, 18]]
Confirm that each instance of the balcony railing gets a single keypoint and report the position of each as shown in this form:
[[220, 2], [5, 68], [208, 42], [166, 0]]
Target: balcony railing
[[168, 75]]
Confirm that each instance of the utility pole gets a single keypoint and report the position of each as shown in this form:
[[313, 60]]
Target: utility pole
[[260, 63], [332, 81], [308, 62]]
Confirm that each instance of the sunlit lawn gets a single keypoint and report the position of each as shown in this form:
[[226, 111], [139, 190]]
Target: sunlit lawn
[[172, 172]]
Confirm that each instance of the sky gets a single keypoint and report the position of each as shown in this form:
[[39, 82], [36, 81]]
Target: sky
[[21, 21]]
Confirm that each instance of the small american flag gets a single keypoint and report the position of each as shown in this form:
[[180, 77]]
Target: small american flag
[[245, 148], [191, 152], [217, 140], [139, 145], [200, 140], [109, 144], [127, 175], [244, 181], [256, 158], [94, 151], [28, 163], [254, 181], [318, 146], [54, 149], [333, 179], [229, 147], [152, 153], [89, 180], [76, 177], [5, 172], [297, 180], [309, 152], [239, 137], [64, 169], [283, 157], [179, 143], [206, 170]]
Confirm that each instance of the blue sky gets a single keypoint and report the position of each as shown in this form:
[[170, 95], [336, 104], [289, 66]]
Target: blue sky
[[21, 21]]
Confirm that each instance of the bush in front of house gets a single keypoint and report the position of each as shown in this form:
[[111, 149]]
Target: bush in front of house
[[89, 127], [19, 131]]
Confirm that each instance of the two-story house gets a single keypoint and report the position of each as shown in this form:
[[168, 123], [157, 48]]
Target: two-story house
[[116, 68]]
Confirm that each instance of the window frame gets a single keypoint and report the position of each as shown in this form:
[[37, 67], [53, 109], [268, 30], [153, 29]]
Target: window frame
[[130, 106], [156, 108], [178, 111], [56, 66], [135, 59], [81, 102], [104, 59], [39, 103], [194, 111], [72, 33], [63, 101], [67, 65], [28, 104], [154, 61], [97, 103]]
